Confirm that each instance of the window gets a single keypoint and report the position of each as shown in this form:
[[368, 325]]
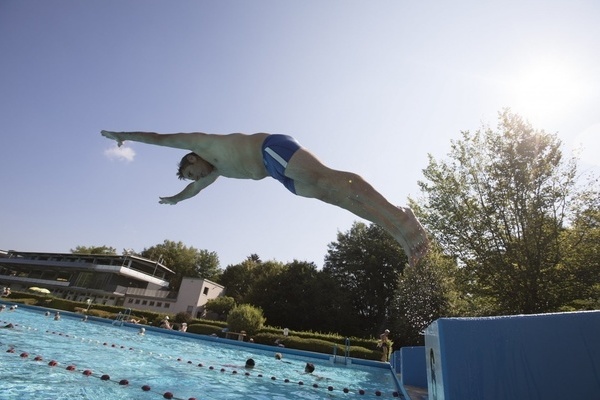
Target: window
[[205, 291], [151, 303], [167, 305], [137, 301], [144, 302], [130, 300], [159, 304]]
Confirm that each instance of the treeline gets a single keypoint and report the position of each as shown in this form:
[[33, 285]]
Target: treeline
[[514, 229]]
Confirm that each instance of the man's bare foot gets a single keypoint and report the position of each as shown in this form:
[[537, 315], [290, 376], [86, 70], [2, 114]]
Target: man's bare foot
[[415, 236]]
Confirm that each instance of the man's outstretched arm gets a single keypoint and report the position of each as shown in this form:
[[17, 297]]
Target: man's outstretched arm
[[190, 190], [177, 140]]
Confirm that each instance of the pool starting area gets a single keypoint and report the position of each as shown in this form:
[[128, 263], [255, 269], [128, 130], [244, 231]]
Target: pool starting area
[[523, 357]]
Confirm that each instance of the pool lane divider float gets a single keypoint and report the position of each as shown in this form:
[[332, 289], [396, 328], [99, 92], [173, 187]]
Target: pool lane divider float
[[168, 394]]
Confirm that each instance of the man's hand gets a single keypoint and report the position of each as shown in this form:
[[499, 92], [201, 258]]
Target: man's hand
[[114, 136], [168, 200]]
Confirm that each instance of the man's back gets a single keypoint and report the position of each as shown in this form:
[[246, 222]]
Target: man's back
[[235, 155]]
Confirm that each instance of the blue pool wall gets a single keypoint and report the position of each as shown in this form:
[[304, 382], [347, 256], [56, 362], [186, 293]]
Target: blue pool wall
[[543, 356], [412, 366]]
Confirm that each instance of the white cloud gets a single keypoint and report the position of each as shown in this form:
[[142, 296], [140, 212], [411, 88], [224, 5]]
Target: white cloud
[[120, 153]]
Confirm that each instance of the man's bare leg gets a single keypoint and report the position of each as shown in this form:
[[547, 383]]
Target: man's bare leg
[[403, 225], [353, 193]]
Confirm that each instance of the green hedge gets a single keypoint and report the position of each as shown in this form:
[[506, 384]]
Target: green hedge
[[204, 329], [29, 302], [315, 345], [329, 337]]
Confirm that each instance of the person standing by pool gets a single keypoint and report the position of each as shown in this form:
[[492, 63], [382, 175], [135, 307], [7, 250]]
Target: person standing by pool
[[165, 323], [384, 343], [260, 155]]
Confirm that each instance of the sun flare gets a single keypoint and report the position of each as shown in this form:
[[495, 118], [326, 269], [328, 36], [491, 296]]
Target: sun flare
[[546, 88]]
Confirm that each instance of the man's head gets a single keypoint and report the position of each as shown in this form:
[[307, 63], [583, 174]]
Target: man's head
[[193, 167], [250, 363], [310, 367]]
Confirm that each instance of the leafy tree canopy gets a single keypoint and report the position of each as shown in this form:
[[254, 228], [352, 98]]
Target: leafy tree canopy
[[365, 262], [185, 261], [94, 250], [500, 205]]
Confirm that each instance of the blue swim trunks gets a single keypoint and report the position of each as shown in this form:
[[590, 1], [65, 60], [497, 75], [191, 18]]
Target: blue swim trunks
[[277, 151]]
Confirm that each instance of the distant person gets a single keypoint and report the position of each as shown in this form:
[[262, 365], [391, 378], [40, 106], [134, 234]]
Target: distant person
[[250, 363], [283, 158], [47, 313], [142, 331], [84, 319], [309, 368], [57, 316], [183, 327], [279, 356], [5, 292], [384, 344], [8, 326], [165, 323]]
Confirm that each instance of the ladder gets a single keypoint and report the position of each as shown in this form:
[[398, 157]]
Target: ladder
[[342, 360], [122, 317]]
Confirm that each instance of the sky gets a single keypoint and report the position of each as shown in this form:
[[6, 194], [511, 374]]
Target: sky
[[371, 87]]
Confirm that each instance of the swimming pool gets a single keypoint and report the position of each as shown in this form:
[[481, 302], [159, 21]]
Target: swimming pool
[[70, 359]]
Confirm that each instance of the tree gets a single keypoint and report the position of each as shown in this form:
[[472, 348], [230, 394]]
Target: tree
[[245, 317], [185, 261], [94, 250], [288, 296], [239, 279], [500, 205], [220, 306], [425, 293], [365, 263], [581, 267]]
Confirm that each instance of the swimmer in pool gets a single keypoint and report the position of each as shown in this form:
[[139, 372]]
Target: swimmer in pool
[[260, 155]]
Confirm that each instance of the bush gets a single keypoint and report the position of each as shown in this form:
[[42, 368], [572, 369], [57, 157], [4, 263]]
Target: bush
[[204, 329], [329, 337], [29, 302], [316, 345], [182, 317], [221, 306], [245, 318]]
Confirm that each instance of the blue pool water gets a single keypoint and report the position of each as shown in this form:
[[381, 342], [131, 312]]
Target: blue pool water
[[170, 366]]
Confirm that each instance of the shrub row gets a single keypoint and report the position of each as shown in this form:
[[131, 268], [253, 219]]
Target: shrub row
[[315, 345]]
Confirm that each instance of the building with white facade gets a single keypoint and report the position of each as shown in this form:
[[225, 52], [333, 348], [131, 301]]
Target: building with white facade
[[126, 280]]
